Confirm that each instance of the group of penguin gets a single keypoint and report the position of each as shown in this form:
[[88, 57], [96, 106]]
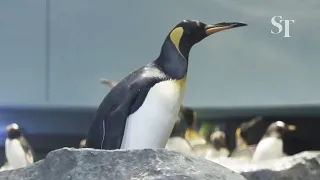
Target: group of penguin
[[184, 139], [269, 147], [141, 110]]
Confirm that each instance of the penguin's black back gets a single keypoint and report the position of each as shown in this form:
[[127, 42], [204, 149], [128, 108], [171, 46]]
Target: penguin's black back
[[125, 98]]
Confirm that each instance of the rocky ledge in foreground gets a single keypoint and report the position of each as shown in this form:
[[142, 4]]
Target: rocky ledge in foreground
[[302, 166], [89, 164]]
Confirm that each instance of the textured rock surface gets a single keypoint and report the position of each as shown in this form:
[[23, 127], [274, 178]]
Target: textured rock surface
[[89, 164], [302, 166]]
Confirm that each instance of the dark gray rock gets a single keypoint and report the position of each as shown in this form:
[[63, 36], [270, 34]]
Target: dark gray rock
[[148, 164], [302, 166]]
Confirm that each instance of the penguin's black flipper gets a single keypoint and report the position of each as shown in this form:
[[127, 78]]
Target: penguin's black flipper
[[94, 137], [115, 123], [125, 98], [107, 130]]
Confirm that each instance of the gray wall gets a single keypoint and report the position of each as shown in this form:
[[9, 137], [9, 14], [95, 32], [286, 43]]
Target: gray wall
[[22, 52], [59, 61]]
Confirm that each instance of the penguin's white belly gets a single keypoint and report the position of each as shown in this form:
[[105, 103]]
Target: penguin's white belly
[[151, 125], [15, 154], [224, 152], [267, 149]]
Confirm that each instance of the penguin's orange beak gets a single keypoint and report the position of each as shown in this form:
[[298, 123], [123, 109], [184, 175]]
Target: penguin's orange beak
[[292, 127], [213, 28]]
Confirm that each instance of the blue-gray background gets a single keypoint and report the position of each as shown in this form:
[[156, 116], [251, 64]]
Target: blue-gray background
[[52, 53]]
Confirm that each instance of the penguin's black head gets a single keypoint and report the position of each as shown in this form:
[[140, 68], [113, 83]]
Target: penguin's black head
[[186, 119], [13, 131], [277, 129], [189, 32], [188, 115], [218, 139]]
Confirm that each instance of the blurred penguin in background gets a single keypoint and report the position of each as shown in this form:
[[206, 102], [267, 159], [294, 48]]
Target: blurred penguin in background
[[218, 140], [271, 145], [83, 143], [176, 142], [17, 149], [242, 133], [215, 149], [191, 134], [243, 150], [240, 142]]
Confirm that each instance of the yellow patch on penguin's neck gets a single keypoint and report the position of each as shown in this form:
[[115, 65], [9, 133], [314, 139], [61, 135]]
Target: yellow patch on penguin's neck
[[175, 37], [182, 84]]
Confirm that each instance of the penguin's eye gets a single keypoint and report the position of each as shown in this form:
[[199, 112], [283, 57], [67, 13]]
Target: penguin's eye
[[187, 32]]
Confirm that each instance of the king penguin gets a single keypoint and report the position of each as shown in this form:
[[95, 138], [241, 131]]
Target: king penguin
[[271, 145], [141, 110], [18, 151]]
